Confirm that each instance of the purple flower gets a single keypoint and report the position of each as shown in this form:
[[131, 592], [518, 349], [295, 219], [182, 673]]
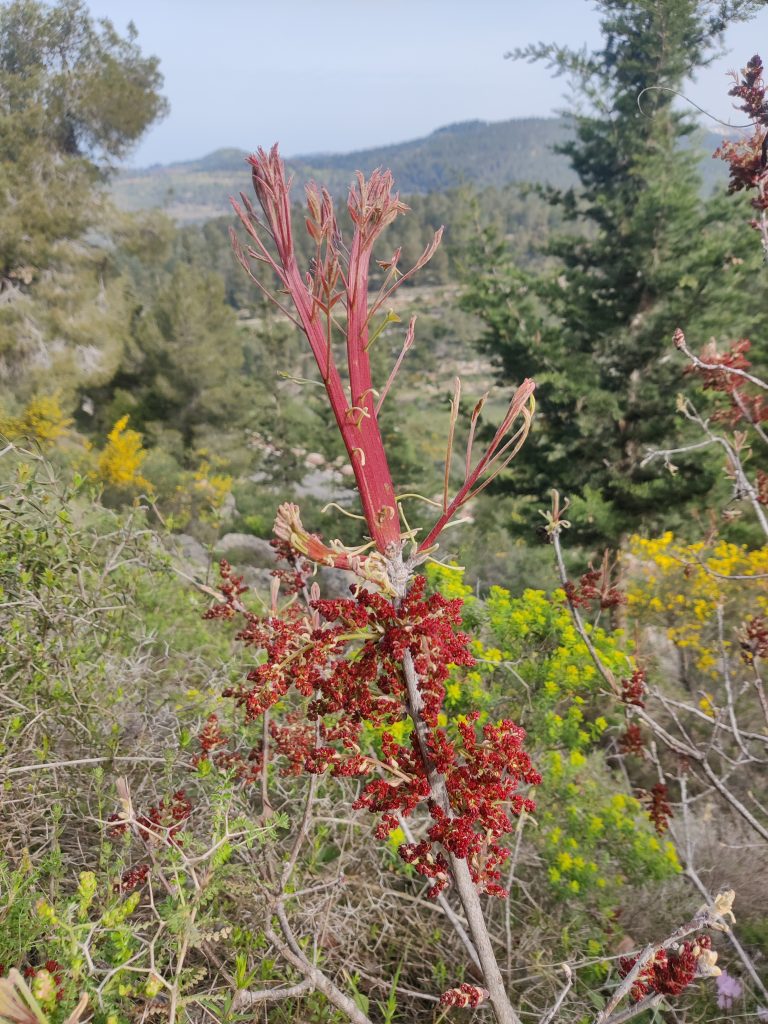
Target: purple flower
[[728, 989]]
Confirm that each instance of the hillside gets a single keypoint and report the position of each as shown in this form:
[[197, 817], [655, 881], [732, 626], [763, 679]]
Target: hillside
[[483, 153]]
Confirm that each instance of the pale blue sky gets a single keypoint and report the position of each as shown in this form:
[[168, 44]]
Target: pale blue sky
[[337, 75]]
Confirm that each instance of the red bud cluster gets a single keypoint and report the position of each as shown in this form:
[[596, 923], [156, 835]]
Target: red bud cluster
[[308, 654], [162, 823], [632, 741], [231, 588], [245, 767], [464, 995], [595, 585], [345, 658], [669, 972], [713, 367], [747, 157], [53, 967], [633, 689], [753, 640], [659, 809], [132, 878], [295, 578]]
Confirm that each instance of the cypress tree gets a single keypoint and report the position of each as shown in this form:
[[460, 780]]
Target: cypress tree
[[644, 253]]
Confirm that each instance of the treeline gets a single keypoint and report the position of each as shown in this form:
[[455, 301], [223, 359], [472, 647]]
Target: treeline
[[474, 153], [520, 215]]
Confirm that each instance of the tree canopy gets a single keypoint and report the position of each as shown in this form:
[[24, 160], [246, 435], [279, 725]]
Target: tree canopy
[[75, 95], [644, 254]]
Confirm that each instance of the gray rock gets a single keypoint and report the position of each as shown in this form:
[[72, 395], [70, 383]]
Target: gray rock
[[245, 549], [191, 550], [335, 583], [228, 509], [259, 580]]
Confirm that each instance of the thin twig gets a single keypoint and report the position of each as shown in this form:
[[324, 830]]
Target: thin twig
[[552, 1013]]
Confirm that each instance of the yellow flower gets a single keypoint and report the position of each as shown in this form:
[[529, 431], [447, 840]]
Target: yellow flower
[[707, 705], [42, 419], [121, 459]]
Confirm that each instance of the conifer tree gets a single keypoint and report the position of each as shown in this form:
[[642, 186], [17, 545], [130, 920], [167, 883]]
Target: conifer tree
[[645, 253], [75, 95]]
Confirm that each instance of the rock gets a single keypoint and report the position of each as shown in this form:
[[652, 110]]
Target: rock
[[245, 549], [325, 485], [190, 550], [335, 583], [228, 508], [258, 580]]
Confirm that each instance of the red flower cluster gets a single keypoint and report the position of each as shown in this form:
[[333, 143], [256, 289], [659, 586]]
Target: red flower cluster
[[295, 742], [752, 91], [346, 659], [231, 587], [747, 157], [735, 358], [295, 578], [481, 777], [167, 819], [669, 972], [753, 640], [632, 741], [245, 767], [742, 404], [132, 878], [482, 786], [428, 863], [633, 689], [53, 967], [308, 654], [659, 809], [162, 823], [464, 995], [595, 586]]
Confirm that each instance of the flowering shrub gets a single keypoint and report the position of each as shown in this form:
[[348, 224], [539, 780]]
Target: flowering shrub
[[41, 419], [680, 587], [370, 686], [345, 658], [594, 838], [120, 461]]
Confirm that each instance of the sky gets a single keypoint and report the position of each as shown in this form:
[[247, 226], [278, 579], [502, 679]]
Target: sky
[[339, 75]]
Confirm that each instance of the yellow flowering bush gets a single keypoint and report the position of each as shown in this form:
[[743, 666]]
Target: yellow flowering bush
[[679, 587], [197, 495], [597, 838], [120, 461], [537, 641], [532, 666], [42, 419], [212, 489]]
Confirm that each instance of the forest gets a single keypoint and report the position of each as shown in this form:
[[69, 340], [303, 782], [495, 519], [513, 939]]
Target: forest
[[384, 562]]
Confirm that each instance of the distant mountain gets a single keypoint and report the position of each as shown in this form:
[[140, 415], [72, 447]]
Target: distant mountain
[[479, 152]]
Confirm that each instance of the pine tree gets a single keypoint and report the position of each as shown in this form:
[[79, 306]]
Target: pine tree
[[184, 367], [645, 254], [74, 97]]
